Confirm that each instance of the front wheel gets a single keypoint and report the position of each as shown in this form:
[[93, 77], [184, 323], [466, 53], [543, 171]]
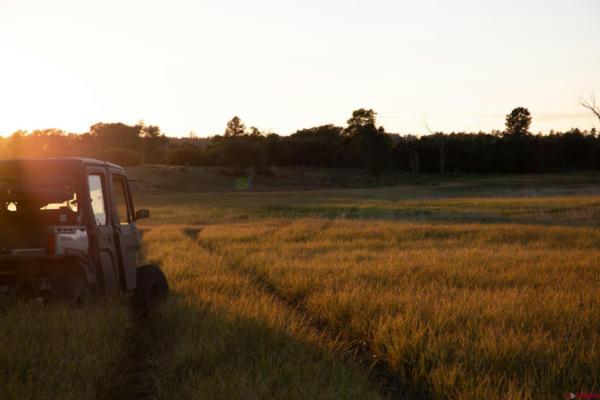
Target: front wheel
[[151, 287]]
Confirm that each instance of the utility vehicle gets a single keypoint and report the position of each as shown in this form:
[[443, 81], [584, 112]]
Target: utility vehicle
[[68, 231]]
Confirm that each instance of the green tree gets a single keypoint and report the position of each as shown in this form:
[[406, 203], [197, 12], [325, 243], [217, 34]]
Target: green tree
[[317, 146], [15, 144], [373, 145], [235, 127], [114, 135], [238, 147], [254, 131], [362, 122], [378, 150], [155, 144], [518, 121], [185, 154]]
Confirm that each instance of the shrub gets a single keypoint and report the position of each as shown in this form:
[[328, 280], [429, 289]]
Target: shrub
[[124, 157]]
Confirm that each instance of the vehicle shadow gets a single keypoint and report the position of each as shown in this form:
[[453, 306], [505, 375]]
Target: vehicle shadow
[[184, 350], [134, 377]]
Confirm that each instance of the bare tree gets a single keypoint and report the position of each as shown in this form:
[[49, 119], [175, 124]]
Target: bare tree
[[441, 145], [413, 156], [591, 105]]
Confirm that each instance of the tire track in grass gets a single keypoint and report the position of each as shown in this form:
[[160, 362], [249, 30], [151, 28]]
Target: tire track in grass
[[137, 378], [137, 374], [354, 351]]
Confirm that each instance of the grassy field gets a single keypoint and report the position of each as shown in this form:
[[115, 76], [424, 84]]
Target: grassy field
[[463, 288]]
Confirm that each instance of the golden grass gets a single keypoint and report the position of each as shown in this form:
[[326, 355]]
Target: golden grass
[[463, 311], [57, 352], [398, 203], [455, 308], [455, 293], [231, 340]]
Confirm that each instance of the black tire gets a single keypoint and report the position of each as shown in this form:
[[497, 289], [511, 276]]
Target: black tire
[[151, 287], [70, 289]]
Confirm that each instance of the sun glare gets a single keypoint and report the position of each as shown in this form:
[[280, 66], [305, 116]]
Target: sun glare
[[39, 93]]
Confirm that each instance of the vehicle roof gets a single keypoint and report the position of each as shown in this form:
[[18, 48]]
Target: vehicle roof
[[73, 162]]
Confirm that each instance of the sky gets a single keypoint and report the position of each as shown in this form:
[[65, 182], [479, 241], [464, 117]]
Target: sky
[[191, 65]]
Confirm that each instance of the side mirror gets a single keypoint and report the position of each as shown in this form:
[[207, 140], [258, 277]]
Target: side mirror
[[140, 214]]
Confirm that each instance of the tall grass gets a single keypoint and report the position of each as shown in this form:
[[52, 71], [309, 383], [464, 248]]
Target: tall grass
[[451, 291], [58, 352], [463, 311], [225, 338], [452, 307], [420, 204]]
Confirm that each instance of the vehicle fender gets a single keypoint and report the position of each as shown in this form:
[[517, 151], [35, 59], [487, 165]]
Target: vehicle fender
[[73, 266]]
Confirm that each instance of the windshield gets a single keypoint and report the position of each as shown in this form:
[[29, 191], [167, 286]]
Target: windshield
[[43, 200]]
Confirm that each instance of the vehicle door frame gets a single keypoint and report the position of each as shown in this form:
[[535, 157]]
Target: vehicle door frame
[[126, 235], [102, 236]]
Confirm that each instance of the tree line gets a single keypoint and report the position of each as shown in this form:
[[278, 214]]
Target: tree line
[[360, 144]]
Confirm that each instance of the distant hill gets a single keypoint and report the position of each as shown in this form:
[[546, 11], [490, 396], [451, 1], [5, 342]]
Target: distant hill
[[177, 179]]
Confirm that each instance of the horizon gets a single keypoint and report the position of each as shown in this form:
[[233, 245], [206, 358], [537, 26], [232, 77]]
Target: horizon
[[194, 135], [283, 66]]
